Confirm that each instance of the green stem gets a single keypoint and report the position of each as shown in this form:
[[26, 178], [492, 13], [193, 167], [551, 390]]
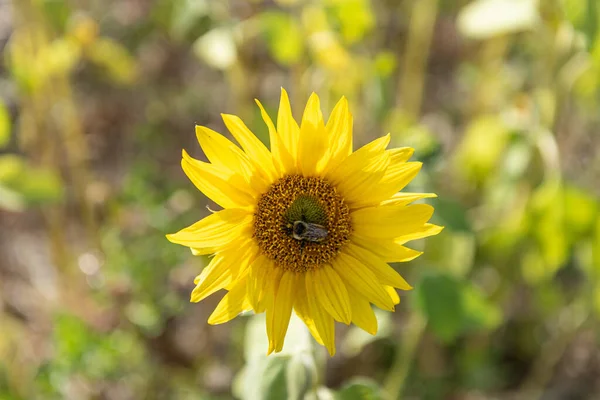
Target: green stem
[[422, 22], [405, 353]]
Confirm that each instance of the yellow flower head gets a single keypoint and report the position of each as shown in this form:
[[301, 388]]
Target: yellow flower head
[[308, 226]]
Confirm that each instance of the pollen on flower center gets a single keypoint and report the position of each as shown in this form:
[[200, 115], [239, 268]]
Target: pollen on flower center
[[301, 223]]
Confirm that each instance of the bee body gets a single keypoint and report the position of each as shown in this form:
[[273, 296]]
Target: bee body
[[308, 231]]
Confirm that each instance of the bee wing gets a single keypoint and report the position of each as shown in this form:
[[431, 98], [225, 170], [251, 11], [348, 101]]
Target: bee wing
[[315, 233]]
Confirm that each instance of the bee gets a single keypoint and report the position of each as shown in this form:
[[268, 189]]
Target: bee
[[308, 231]]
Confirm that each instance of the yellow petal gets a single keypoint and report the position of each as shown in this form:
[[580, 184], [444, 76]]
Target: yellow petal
[[257, 152], [217, 229], [323, 322], [246, 254], [387, 249], [403, 198], [396, 177], [233, 304], [278, 316], [362, 313], [269, 288], [228, 191], [200, 251], [227, 156], [215, 276], [268, 304], [425, 231], [362, 280], [257, 279], [313, 138], [393, 294], [386, 274], [400, 154], [237, 258], [303, 312], [361, 159], [287, 127], [246, 243], [203, 274], [361, 170], [390, 221], [282, 157], [221, 152], [339, 131], [331, 292]]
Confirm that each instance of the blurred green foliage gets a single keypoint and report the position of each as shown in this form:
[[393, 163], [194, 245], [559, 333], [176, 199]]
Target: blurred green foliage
[[500, 99], [454, 307]]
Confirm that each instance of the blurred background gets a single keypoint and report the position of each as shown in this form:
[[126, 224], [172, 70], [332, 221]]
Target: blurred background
[[500, 99]]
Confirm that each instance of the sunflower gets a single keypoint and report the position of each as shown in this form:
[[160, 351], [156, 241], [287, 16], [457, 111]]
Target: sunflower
[[309, 226]]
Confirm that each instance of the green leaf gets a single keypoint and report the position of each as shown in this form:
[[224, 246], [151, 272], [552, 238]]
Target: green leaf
[[145, 316], [451, 214], [533, 267], [355, 17], [273, 383], [284, 37], [455, 307], [581, 210], [385, 63], [115, 59], [356, 339], [59, 58], [32, 185], [185, 14], [592, 16], [439, 298], [301, 375], [4, 126], [412, 134], [482, 147], [478, 311], [11, 167], [360, 389], [583, 15], [575, 11], [56, 12], [290, 374], [265, 379], [256, 344], [38, 186], [546, 218]]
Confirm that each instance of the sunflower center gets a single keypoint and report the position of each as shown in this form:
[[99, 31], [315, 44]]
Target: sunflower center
[[301, 223]]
